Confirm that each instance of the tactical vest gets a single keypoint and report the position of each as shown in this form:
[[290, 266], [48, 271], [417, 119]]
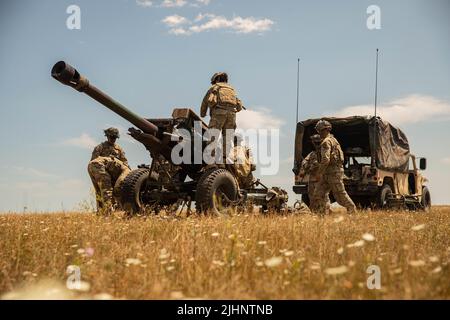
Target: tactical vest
[[108, 150], [226, 96]]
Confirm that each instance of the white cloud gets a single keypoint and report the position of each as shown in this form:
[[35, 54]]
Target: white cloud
[[144, 3], [32, 172], [261, 118], [199, 3], [174, 20], [84, 141], [208, 22], [40, 190], [57, 191], [407, 110], [173, 3], [178, 31]]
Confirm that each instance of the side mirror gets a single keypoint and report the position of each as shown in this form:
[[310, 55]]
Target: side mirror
[[423, 163]]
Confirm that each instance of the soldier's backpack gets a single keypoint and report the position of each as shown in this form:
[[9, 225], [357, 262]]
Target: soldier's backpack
[[226, 95]]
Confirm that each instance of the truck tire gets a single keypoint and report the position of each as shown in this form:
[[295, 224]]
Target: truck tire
[[214, 190], [362, 202], [383, 195], [132, 188], [426, 199]]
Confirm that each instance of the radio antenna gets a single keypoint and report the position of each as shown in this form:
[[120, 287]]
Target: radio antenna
[[376, 82], [298, 88]]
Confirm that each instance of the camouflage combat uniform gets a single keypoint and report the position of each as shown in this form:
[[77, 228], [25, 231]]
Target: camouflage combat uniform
[[276, 199], [243, 165], [107, 149], [223, 104], [107, 169], [107, 175], [165, 170], [331, 173], [310, 166]]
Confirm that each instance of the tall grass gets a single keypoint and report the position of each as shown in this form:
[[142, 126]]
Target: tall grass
[[240, 257]]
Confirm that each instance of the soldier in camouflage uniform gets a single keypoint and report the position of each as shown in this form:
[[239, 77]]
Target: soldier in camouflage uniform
[[243, 164], [331, 171], [107, 169], [107, 175], [223, 104], [165, 170], [109, 147], [310, 167]]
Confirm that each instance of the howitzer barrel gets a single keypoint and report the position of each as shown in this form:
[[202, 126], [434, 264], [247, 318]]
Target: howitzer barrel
[[68, 75]]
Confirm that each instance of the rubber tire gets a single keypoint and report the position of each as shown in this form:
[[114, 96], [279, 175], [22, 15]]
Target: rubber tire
[[382, 195], [362, 202], [305, 199], [208, 184], [131, 189], [426, 199]]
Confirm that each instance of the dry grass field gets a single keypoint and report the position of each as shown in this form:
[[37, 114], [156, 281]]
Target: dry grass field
[[241, 257]]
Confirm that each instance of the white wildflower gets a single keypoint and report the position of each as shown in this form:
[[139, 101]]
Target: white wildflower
[[433, 259], [368, 237], [417, 263], [418, 227], [133, 261], [288, 253], [436, 270], [336, 270], [273, 262], [358, 243], [164, 254]]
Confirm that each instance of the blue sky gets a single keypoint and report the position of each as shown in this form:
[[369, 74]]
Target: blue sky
[[129, 50]]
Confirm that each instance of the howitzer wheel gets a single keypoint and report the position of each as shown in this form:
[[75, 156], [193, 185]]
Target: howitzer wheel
[[217, 189], [133, 188]]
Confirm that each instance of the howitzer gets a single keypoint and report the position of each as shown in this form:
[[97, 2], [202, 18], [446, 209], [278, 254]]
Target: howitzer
[[214, 188], [68, 75]]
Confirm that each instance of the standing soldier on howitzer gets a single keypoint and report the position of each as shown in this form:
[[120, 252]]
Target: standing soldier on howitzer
[[108, 168], [331, 171], [223, 104], [310, 167]]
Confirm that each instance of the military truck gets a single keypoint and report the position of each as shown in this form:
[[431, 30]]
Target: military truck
[[215, 188], [380, 172]]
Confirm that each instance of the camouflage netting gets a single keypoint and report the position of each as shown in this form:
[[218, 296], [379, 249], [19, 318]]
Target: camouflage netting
[[373, 137]]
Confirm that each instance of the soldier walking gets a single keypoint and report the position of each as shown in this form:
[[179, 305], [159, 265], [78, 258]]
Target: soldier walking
[[310, 167], [223, 105], [107, 169], [331, 171]]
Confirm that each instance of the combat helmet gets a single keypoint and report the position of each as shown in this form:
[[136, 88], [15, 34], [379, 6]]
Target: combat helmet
[[316, 139], [112, 132], [219, 77], [322, 124]]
